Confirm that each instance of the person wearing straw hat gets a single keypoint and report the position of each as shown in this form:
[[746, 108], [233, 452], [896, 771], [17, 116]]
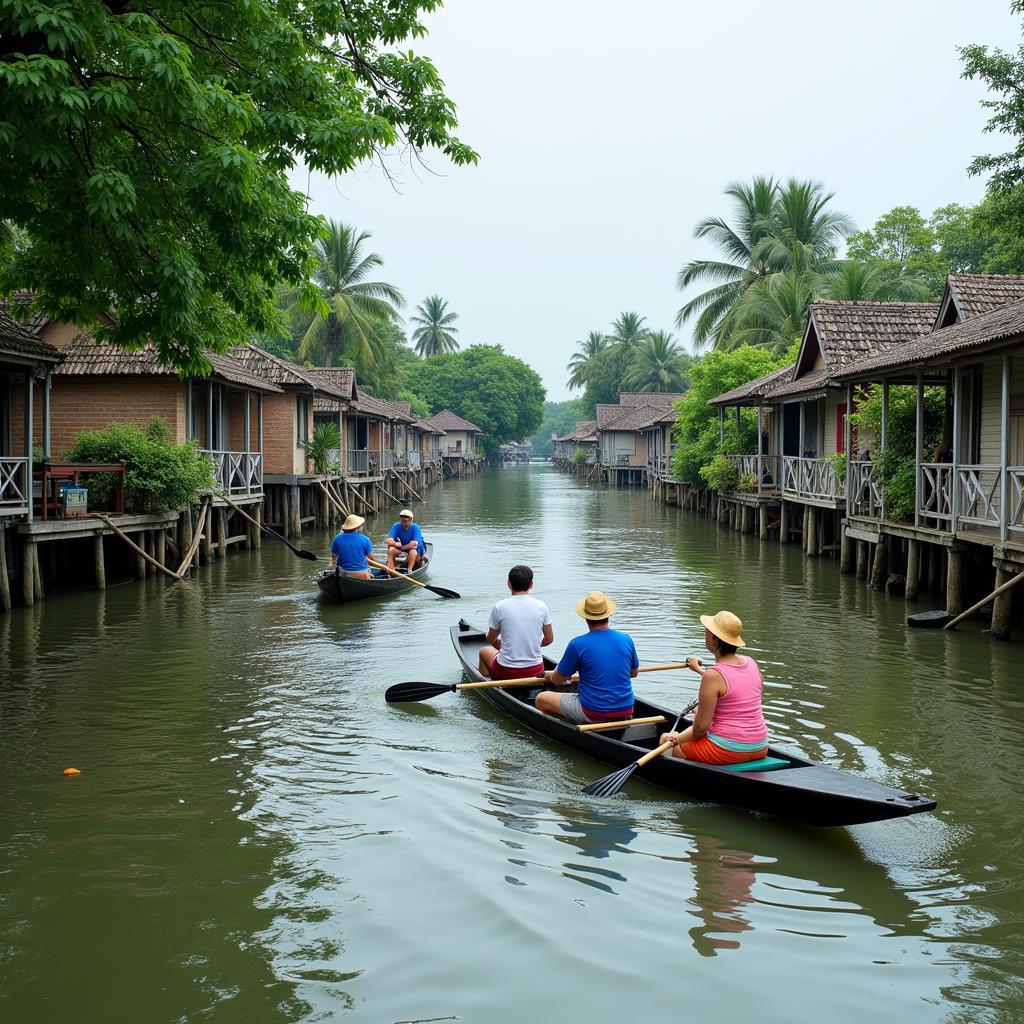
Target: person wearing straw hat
[[405, 538], [607, 664], [350, 548], [729, 726]]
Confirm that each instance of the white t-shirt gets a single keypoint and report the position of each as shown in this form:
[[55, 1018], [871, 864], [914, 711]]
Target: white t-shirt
[[521, 620]]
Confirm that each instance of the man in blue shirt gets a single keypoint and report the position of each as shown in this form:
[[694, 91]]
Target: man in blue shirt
[[350, 548], [405, 538], [607, 663]]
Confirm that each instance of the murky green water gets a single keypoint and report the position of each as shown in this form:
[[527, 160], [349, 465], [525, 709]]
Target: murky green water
[[256, 836]]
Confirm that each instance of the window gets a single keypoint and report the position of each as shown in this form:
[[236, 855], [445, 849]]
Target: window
[[301, 420]]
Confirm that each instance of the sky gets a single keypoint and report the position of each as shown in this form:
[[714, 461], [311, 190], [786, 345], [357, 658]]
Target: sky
[[606, 131]]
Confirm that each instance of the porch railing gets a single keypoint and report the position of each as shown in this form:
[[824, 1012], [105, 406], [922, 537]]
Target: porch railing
[[237, 472], [978, 495], [746, 465], [935, 494], [357, 462], [811, 478], [864, 490], [1015, 493], [387, 460], [13, 485]]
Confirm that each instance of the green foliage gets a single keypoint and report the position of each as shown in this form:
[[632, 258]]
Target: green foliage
[[499, 393], [146, 149], [658, 365], [320, 448], [905, 243], [559, 418], [434, 334], [159, 474], [579, 456], [838, 460], [582, 362], [747, 483], [696, 430], [720, 474], [896, 461]]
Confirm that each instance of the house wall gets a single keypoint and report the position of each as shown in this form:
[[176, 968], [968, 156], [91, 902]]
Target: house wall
[[235, 404], [991, 408], [833, 400], [281, 453], [93, 403], [623, 442], [374, 436], [453, 437]]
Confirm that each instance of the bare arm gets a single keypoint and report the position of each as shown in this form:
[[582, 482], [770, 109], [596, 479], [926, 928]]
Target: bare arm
[[492, 636], [712, 686], [555, 677], [547, 635]]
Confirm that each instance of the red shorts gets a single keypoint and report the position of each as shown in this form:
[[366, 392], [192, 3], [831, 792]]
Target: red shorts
[[499, 671], [711, 753]]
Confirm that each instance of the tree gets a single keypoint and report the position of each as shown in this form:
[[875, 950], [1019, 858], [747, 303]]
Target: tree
[[146, 149], [659, 365], [904, 243], [583, 361], [772, 314], [434, 334], [348, 307], [499, 393], [559, 418], [860, 281], [628, 331]]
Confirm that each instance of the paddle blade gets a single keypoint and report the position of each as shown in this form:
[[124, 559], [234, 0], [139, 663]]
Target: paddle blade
[[442, 591], [307, 555], [611, 784], [405, 693]]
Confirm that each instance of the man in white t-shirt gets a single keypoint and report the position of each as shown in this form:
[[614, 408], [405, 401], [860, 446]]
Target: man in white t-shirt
[[518, 628]]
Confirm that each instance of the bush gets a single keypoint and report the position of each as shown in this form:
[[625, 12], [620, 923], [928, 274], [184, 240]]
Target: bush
[[579, 456], [747, 483], [159, 474], [319, 448], [838, 461], [721, 474]]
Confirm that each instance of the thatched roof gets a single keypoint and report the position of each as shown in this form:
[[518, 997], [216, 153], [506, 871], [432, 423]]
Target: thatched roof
[[754, 391], [286, 374], [447, 420], [19, 343]]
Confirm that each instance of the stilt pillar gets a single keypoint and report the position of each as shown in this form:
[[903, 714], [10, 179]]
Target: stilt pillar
[[1002, 607], [762, 521], [296, 506], [812, 531], [5, 578], [913, 569], [880, 564], [783, 522], [99, 563], [257, 533], [955, 581], [28, 558], [862, 559], [846, 550]]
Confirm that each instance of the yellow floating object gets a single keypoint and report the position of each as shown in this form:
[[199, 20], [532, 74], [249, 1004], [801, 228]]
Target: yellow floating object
[[72, 771]]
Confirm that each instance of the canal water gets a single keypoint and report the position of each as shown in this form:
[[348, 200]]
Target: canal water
[[256, 836]]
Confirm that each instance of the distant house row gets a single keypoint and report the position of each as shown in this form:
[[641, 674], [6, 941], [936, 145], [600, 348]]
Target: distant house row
[[252, 415]]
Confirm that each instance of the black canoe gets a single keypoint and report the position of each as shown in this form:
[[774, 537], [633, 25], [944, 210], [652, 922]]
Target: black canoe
[[802, 790], [340, 587]]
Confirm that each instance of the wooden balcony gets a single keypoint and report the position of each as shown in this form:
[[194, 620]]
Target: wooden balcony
[[811, 479], [14, 489], [237, 474]]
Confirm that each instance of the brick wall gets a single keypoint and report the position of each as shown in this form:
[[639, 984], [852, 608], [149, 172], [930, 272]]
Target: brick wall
[[281, 454]]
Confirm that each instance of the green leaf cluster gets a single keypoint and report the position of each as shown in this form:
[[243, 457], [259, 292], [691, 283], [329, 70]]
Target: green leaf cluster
[[146, 149], [559, 418], [499, 393], [160, 475], [322, 446]]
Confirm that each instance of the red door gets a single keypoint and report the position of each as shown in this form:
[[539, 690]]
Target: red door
[[841, 428]]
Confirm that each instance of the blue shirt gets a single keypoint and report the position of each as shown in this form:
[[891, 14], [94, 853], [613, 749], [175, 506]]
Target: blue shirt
[[604, 659], [414, 533], [351, 549]]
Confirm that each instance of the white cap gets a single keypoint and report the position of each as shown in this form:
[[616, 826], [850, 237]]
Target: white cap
[[405, 512]]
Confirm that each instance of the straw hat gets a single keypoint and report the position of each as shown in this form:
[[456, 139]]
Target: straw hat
[[353, 522], [595, 606], [405, 512], [725, 626]]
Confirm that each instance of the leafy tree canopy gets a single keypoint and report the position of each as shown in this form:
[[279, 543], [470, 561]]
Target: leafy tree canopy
[[145, 148], [499, 393], [559, 418]]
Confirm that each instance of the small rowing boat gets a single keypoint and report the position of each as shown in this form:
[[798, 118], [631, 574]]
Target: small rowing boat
[[782, 784], [339, 587]]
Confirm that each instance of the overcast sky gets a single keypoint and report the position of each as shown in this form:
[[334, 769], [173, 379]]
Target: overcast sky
[[607, 130]]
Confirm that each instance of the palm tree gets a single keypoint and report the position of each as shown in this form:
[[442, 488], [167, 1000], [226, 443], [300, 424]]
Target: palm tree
[[857, 281], [434, 334], [733, 275], [628, 331], [772, 312], [582, 361], [658, 365], [355, 304]]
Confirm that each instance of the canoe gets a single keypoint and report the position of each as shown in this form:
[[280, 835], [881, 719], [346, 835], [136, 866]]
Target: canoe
[[339, 587], [930, 620], [798, 789]]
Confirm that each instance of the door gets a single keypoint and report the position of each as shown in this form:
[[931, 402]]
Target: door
[[791, 429], [841, 428]]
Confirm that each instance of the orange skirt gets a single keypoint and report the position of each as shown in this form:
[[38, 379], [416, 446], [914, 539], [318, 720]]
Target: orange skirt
[[711, 753]]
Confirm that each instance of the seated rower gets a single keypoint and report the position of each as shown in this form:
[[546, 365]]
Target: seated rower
[[519, 627], [350, 548], [607, 663], [729, 726], [405, 538]]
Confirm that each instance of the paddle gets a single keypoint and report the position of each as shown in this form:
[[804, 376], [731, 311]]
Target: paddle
[[407, 692], [611, 784], [440, 591], [301, 552]]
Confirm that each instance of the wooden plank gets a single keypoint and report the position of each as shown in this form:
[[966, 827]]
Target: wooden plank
[[856, 533]]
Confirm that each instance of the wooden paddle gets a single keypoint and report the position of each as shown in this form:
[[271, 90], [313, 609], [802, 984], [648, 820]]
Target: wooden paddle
[[609, 785], [301, 552], [441, 591], [406, 692]]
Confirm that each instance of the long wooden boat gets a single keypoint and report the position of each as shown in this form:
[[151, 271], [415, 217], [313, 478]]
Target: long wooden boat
[[339, 587], [797, 789]]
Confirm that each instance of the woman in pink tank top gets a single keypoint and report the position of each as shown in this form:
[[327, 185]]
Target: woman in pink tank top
[[729, 726]]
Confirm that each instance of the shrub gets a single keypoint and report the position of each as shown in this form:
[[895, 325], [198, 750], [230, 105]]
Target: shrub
[[721, 474], [159, 474], [326, 440], [579, 456], [838, 461], [747, 483]]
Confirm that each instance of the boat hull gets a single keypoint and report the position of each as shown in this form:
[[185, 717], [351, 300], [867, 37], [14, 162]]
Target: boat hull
[[811, 793], [339, 587]]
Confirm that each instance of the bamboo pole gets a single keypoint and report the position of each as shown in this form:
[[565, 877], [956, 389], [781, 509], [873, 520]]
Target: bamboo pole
[[5, 580], [330, 497], [387, 494], [1012, 582], [135, 547], [99, 564], [197, 538]]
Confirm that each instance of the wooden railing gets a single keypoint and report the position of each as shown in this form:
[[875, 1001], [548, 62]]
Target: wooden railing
[[864, 490], [746, 465], [1015, 494], [357, 462], [935, 494], [387, 459], [413, 460], [811, 478], [237, 472], [14, 491], [977, 500]]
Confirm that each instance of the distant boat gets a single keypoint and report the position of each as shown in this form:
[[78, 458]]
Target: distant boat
[[339, 587]]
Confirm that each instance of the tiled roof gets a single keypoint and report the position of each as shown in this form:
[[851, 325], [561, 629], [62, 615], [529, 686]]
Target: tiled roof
[[975, 294], [585, 430], [85, 357], [662, 398], [370, 405], [755, 390], [15, 340], [282, 372], [853, 330], [16, 308], [340, 378], [813, 382], [633, 418], [447, 420], [989, 328]]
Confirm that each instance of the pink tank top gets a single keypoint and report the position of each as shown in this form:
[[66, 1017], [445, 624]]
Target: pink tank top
[[738, 719]]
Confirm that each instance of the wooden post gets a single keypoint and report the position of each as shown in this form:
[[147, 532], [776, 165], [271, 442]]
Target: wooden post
[[296, 506], [805, 531], [37, 576], [813, 525], [257, 536], [762, 523], [913, 569], [222, 533], [1002, 607], [783, 522], [99, 563], [846, 550], [140, 559], [745, 526], [185, 529], [862, 559], [208, 537], [5, 579], [28, 590], [880, 564], [955, 581]]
